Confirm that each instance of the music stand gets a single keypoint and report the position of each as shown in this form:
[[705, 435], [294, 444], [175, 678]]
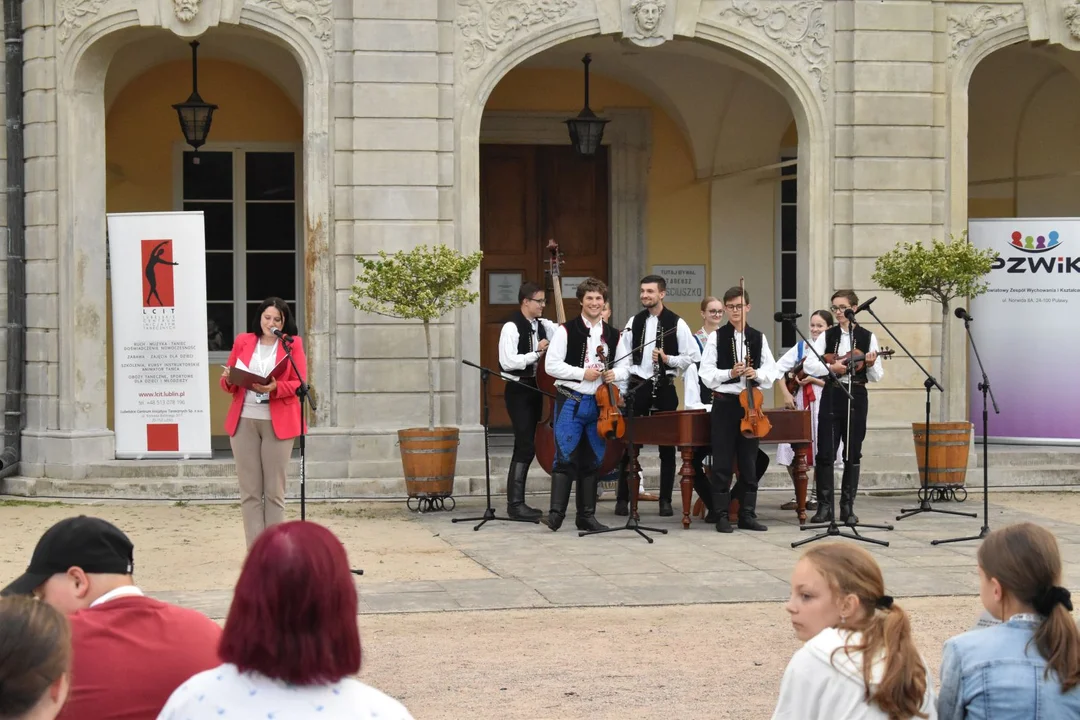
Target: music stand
[[489, 512], [831, 528], [633, 477], [984, 388], [924, 488]]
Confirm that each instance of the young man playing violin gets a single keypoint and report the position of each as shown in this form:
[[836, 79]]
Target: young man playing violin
[[661, 346], [573, 360], [522, 342], [833, 421], [735, 355]]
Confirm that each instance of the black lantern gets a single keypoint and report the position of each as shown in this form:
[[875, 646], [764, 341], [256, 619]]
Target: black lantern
[[195, 115], [586, 130]]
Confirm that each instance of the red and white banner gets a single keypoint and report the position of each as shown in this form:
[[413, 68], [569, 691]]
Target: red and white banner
[[161, 386]]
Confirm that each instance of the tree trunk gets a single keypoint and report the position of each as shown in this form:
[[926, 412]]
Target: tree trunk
[[430, 376], [946, 345]]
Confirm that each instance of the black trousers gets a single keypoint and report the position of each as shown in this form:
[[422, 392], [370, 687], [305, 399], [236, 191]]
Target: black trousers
[[729, 444], [833, 424], [525, 408], [644, 404]]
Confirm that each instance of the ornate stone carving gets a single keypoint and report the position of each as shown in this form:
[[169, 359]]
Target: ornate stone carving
[[486, 24], [71, 13], [316, 15], [185, 10], [798, 27], [963, 30], [647, 16], [1072, 18]]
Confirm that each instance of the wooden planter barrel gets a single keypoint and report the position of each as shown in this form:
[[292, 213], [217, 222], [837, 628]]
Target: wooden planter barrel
[[429, 458], [949, 445]]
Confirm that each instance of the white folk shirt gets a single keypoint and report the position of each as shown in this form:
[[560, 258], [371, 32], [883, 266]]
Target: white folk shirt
[[813, 366], [572, 377], [509, 358], [715, 378], [224, 692], [688, 348], [691, 391]]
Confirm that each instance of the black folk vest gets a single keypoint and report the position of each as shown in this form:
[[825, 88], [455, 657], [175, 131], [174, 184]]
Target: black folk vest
[[860, 340], [577, 337], [725, 348], [525, 342]]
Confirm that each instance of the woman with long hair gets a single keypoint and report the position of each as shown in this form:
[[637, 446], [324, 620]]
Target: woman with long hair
[[35, 659], [859, 661], [263, 420], [808, 395], [290, 646], [1031, 662]]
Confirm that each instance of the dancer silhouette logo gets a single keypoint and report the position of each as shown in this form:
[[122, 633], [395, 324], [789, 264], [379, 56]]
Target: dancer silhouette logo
[[157, 262]]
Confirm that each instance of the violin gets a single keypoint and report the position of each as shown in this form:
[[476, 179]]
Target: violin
[[793, 376], [611, 424], [857, 358], [755, 424]]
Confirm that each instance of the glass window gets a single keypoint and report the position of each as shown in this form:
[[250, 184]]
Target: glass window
[[208, 176], [787, 240]]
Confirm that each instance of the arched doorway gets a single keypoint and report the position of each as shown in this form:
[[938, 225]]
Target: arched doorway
[[246, 180], [698, 175]]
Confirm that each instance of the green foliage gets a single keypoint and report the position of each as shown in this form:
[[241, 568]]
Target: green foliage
[[424, 283], [942, 272]]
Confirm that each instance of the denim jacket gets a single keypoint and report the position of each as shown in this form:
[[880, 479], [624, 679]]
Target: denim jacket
[[997, 673]]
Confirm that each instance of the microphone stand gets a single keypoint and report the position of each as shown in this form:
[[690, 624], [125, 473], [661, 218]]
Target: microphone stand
[[832, 529], [924, 490], [984, 387], [489, 512]]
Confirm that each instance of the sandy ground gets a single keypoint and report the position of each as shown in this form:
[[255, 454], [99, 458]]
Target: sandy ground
[[708, 661], [720, 661], [201, 547]]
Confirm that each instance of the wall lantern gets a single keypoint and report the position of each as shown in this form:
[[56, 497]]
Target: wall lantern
[[195, 114], [586, 130]]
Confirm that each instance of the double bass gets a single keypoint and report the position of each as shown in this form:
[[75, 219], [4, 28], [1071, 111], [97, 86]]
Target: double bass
[[545, 430]]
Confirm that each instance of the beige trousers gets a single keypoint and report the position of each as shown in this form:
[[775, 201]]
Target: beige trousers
[[261, 465]]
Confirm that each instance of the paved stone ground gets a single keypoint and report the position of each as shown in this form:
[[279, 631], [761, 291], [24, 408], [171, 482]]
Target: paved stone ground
[[532, 567]]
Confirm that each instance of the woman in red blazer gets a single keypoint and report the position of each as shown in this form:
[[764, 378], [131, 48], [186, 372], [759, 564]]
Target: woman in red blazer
[[263, 421]]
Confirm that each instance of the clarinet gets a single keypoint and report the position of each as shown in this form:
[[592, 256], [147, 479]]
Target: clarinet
[[656, 363]]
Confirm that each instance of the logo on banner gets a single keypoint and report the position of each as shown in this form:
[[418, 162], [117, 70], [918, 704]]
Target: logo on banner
[[1033, 245], [158, 286]]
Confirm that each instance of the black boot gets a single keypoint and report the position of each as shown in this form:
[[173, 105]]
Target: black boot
[[667, 484], [516, 508], [701, 486], [560, 498], [622, 493], [823, 478], [747, 515], [586, 504], [721, 500], [849, 486]]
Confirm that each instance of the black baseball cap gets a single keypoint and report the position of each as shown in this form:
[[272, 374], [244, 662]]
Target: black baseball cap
[[89, 543]]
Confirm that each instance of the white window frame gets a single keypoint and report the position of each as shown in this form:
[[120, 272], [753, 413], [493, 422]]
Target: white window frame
[[778, 269], [239, 149]]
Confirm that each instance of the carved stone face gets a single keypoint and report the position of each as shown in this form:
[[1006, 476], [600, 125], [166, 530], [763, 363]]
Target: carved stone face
[[647, 17], [186, 10], [1072, 20]]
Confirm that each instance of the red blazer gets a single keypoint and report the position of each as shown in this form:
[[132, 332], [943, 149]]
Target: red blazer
[[284, 405]]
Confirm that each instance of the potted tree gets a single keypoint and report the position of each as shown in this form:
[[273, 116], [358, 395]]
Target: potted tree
[[942, 272], [421, 284]]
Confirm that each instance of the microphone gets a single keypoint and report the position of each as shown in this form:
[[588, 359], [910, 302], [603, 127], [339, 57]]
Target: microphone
[[962, 314], [283, 336], [782, 316], [865, 305]]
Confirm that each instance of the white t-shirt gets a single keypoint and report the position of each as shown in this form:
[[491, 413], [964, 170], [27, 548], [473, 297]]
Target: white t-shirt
[[224, 693]]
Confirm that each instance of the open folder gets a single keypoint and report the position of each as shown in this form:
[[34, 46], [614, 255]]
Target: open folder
[[241, 375]]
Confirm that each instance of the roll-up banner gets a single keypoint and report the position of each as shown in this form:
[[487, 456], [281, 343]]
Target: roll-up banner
[[161, 393], [1027, 328]]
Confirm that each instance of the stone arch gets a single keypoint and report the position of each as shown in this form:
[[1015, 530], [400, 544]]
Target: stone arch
[[83, 62], [805, 94]]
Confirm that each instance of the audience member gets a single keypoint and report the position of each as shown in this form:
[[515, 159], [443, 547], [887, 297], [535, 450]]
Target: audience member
[[859, 661], [291, 643], [129, 652], [1029, 665], [35, 659]]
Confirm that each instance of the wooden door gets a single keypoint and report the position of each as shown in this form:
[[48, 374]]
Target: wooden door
[[528, 194]]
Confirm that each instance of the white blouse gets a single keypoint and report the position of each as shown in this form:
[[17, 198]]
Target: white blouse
[[224, 692]]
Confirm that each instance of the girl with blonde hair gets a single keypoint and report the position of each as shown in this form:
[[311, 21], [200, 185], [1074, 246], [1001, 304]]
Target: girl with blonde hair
[[859, 661]]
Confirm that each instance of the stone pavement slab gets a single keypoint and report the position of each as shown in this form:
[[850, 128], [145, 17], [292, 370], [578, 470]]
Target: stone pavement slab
[[532, 567]]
